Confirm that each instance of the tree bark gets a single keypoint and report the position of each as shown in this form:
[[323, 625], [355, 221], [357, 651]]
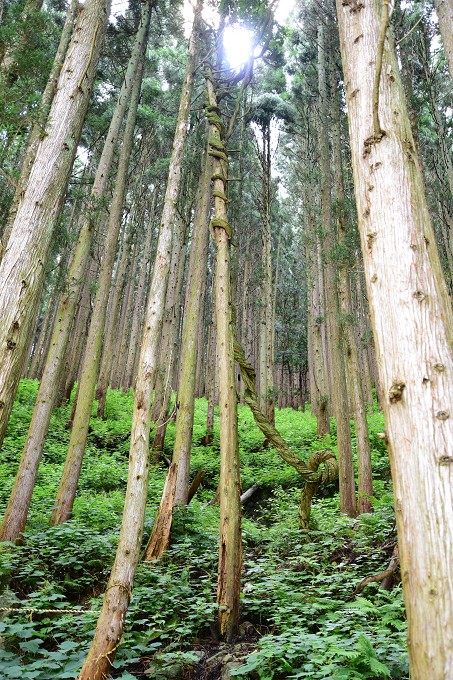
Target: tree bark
[[109, 629], [230, 552], [23, 264], [92, 356], [165, 382], [412, 324], [444, 9], [40, 124], [365, 479], [189, 344], [16, 513], [340, 405]]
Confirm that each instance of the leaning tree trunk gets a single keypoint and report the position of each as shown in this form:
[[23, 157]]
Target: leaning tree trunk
[[43, 114], [165, 382], [24, 262], [177, 484], [16, 513], [412, 324], [109, 629], [92, 356], [193, 310]]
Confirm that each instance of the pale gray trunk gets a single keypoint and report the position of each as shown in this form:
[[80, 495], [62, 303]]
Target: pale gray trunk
[[340, 406], [189, 344], [140, 303], [412, 325], [444, 9], [109, 629], [44, 109], [92, 357], [23, 264]]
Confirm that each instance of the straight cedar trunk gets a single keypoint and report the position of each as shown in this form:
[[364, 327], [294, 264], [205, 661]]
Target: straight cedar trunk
[[121, 350], [365, 479], [444, 9], [267, 288], [140, 301], [202, 344], [165, 382], [177, 484], [230, 550], [211, 377], [40, 124], [111, 333], [340, 405], [92, 356], [319, 387], [16, 512], [245, 301], [365, 351], [111, 328], [23, 265], [110, 625], [193, 312], [412, 324]]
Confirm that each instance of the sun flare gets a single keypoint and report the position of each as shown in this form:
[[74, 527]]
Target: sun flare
[[238, 44]]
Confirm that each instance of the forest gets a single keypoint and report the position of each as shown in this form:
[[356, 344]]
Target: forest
[[226, 339]]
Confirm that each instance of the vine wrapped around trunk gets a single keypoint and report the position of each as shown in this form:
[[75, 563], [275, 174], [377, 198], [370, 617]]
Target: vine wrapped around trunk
[[307, 470]]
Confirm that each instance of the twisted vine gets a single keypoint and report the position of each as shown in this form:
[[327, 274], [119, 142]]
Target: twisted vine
[[309, 470]]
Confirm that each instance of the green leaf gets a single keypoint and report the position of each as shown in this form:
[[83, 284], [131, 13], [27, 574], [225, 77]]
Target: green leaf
[[31, 645]]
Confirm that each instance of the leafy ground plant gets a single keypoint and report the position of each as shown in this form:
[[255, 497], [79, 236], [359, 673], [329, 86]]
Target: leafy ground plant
[[298, 594]]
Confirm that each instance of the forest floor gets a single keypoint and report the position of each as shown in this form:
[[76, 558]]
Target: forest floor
[[301, 616]]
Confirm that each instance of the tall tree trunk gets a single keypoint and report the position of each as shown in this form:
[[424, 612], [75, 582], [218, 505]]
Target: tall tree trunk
[[140, 301], [230, 552], [109, 629], [121, 349], [211, 377], [365, 479], [40, 124], [111, 327], [168, 345], [92, 357], [16, 513], [340, 405], [412, 324], [193, 311], [23, 264], [444, 9]]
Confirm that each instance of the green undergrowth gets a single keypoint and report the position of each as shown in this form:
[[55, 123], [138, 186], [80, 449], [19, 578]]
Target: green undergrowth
[[298, 594]]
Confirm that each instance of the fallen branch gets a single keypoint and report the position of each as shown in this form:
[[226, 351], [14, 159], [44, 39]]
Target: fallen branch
[[247, 494]]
